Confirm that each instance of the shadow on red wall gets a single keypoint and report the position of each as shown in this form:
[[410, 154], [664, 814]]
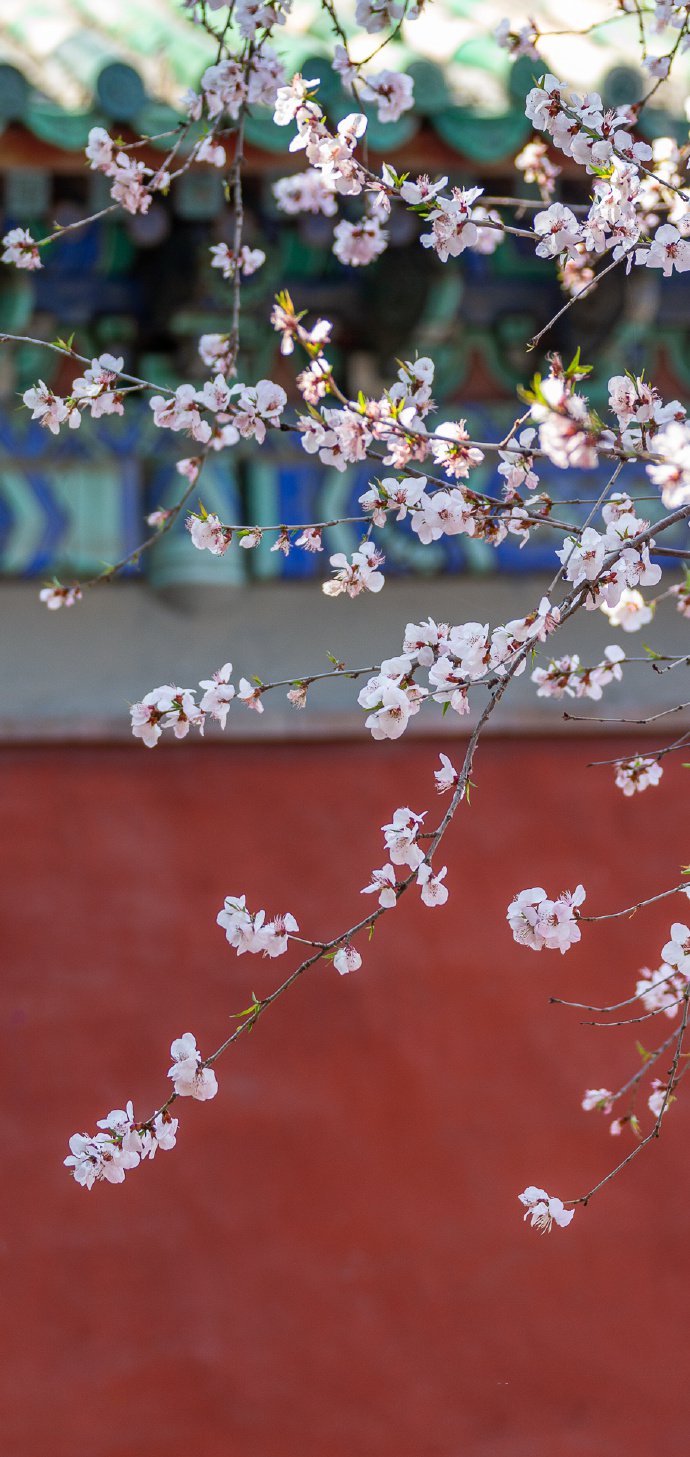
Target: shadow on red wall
[[332, 1262]]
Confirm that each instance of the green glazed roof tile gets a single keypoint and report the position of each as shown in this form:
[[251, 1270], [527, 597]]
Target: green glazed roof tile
[[76, 63], [60, 128]]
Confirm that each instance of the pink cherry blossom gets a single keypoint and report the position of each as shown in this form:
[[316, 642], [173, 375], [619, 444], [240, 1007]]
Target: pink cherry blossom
[[635, 775], [359, 243]]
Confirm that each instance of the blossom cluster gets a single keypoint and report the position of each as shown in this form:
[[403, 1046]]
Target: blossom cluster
[[20, 249], [170, 707], [538, 922], [566, 677], [608, 562], [454, 658], [392, 92], [247, 932], [401, 839], [92, 393], [637, 774], [121, 1145], [637, 214], [627, 192], [663, 990], [233, 83], [132, 182], [236, 410]]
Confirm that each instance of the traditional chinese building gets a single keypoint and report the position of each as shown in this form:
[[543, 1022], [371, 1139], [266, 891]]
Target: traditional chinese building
[[142, 286], [332, 1262]]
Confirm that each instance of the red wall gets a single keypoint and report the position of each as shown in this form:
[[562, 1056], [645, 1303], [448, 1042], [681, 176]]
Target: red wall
[[332, 1263]]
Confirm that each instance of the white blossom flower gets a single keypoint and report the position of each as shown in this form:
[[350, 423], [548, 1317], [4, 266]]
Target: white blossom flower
[[359, 243], [100, 1157], [600, 1099], [189, 1078], [667, 250], [51, 410], [218, 694], [57, 596], [393, 92], [180, 412], [661, 990], [247, 261], [631, 612], [383, 883], [543, 1210], [305, 192], [250, 695], [357, 575], [433, 892], [451, 227], [99, 150], [659, 1100], [209, 534], [257, 407], [401, 838], [211, 151], [559, 230], [446, 777], [163, 708], [672, 472], [347, 959], [676, 952]]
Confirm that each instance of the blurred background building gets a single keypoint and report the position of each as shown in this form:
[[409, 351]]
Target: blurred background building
[[142, 286]]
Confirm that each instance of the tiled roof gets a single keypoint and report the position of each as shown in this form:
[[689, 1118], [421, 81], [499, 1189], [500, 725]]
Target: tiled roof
[[67, 64]]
